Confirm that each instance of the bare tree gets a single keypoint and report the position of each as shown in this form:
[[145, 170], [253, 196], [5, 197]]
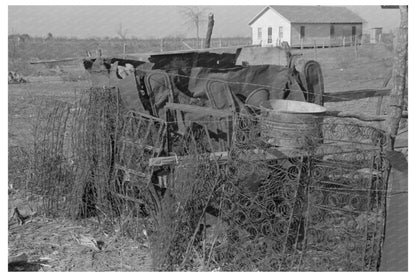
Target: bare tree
[[194, 17], [121, 32]]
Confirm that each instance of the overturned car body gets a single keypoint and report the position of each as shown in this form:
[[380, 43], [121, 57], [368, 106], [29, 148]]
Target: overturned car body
[[186, 74]]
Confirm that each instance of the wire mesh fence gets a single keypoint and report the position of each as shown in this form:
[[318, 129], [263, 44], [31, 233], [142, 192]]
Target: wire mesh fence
[[301, 210], [215, 202]]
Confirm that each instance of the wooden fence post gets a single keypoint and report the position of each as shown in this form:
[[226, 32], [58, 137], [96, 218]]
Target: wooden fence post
[[124, 50], [209, 30], [379, 104], [399, 78], [161, 45], [394, 254], [355, 47], [343, 42], [314, 47]]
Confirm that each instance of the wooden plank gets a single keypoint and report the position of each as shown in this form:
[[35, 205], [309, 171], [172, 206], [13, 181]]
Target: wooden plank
[[220, 157], [21, 258], [56, 61], [355, 94], [203, 111], [274, 153], [170, 160]]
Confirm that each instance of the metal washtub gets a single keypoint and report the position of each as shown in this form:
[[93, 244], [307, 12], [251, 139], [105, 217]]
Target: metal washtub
[[291, 124]]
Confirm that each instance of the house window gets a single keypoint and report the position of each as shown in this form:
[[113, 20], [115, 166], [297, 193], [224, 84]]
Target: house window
[[281, 32], [302, 32], [269, 35], [259, 34]]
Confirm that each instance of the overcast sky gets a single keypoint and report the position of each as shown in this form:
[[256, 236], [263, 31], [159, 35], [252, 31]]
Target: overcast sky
[[152, 21]]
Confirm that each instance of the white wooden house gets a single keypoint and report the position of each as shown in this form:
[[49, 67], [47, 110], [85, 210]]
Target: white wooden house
[[306, 26]]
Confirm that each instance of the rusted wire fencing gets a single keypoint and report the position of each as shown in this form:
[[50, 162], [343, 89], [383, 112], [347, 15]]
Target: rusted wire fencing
[[255, 207], [72, 151], [50, 172], [212, 200]]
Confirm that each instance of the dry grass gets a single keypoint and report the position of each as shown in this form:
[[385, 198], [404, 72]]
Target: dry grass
[[343, 70], [54, 244]]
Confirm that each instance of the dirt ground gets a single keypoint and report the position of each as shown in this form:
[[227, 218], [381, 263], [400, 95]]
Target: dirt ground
[[58, 244], [62, 244]]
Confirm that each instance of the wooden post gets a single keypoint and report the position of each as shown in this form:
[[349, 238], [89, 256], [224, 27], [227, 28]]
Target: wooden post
[[286, 48], [301, 43], [124, 50], [394, 254], [220, 43], [387, 79], [355, 47], [209, 30], [314, 47], [161, 45], [399, 77], [343, 42]]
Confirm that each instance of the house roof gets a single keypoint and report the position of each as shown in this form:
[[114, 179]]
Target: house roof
[[313, 14]]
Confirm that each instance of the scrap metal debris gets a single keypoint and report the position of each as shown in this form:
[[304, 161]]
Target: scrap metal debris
[[16, 78]]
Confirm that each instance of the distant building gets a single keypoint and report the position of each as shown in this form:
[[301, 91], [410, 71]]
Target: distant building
[[375, 34], [305, 26]]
